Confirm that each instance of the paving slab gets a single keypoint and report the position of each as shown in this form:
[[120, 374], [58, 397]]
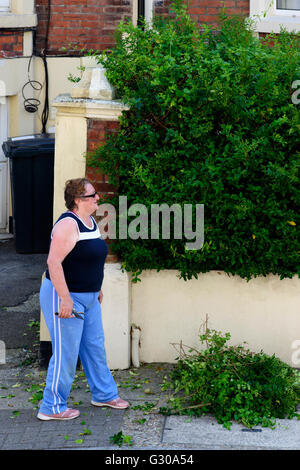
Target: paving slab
[[93, 428], [205, 432]]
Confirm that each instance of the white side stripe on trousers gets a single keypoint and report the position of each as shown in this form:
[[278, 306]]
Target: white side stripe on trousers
[[57, 357]]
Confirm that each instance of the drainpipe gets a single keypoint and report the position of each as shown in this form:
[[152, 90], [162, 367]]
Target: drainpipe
[[135, 343]]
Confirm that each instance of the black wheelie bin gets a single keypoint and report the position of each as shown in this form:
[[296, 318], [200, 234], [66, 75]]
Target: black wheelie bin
[[31, 162]]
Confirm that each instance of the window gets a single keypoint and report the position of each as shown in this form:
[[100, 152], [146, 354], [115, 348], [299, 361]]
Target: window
[[142, 9], [288, 5], [271, 15], [4, 5]]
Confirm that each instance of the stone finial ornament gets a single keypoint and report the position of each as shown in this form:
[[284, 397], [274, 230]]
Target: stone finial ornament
[[93, 85]]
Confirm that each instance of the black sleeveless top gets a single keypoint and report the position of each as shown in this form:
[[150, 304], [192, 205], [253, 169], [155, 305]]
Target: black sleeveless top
[[84, 266]]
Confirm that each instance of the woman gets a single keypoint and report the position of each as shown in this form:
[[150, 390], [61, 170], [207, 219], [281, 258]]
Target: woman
[[73, 281]]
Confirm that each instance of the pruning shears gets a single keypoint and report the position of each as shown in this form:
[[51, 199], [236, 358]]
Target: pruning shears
[[75, 313]]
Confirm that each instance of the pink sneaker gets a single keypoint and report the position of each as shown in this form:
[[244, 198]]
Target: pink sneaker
[[67, 414], [117, 403]]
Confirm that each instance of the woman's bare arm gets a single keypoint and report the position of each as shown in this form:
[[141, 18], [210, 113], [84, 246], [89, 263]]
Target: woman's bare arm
[[64, 238]]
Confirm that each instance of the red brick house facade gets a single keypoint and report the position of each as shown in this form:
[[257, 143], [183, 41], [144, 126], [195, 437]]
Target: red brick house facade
[[91, 24]]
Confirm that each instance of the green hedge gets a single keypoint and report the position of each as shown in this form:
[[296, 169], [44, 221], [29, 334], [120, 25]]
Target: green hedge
[[211, 121]]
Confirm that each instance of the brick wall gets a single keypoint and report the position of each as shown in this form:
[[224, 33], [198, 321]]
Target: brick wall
[[206, 11], [76, 24], [11, 43], [96, 132], [161, 7]]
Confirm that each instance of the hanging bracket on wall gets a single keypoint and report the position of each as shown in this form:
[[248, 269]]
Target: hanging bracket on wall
[[31, 104]]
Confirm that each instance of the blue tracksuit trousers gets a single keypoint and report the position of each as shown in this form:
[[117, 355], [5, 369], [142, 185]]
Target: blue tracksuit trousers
[[72, 337]]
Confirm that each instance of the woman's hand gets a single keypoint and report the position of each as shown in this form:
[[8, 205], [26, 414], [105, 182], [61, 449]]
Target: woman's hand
[[66, 308], [100, 296]]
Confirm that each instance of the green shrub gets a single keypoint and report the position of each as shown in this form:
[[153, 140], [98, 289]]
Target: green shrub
[[211, 122], [232, 383]]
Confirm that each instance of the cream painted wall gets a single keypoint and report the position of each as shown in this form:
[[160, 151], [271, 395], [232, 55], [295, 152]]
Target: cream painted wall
[[20, 15], [70, 147], [20, 121], [59, 69], [269, 20], [13, 73], [263, 312], [22, 7], [116, 316], [14, 121]]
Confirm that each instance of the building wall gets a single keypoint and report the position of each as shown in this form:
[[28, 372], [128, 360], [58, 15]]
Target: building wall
[[90, 24], [76, 24], [263, 312], [207, 11], [96, 135], [97, 132], [11, 43]]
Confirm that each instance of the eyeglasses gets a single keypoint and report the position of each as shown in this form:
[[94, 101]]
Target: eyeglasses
[[89, 195]]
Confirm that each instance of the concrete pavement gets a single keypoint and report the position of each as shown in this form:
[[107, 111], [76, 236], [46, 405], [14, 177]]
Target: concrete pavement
[[141, 427]]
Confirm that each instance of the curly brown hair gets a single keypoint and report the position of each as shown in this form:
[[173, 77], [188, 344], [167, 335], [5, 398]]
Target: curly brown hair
[[74, 188]]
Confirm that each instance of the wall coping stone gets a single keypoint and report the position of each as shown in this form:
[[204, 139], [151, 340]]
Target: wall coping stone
[[108, 110]]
